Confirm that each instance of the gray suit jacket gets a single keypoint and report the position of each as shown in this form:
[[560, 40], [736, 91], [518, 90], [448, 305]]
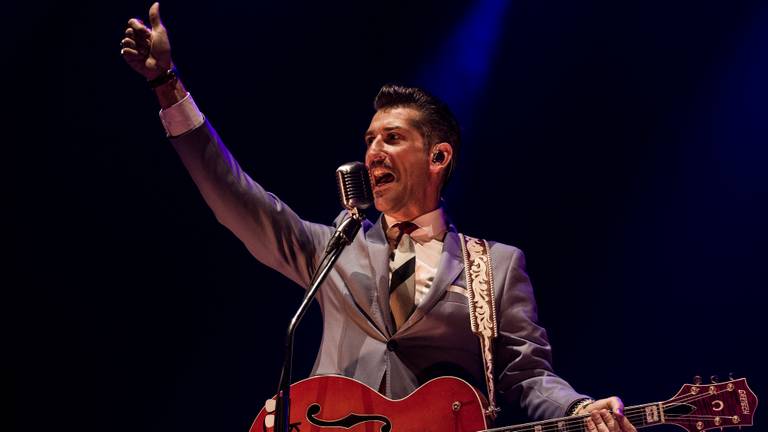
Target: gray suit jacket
[[436, 340]]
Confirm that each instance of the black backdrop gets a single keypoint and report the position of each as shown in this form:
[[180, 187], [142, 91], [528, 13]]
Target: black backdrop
[[621, 146]]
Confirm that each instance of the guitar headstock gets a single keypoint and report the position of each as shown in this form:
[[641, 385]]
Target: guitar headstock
[[699, 407]]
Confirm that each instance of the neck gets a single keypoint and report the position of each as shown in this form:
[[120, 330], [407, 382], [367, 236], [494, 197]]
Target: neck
[[407, 215], [413, 210], [638, 415]]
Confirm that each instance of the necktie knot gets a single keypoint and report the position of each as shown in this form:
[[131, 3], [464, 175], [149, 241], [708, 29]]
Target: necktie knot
[[396, 232]]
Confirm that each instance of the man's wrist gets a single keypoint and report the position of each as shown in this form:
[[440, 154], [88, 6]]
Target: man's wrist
[[170, 92], [163, 78], [577, 406]]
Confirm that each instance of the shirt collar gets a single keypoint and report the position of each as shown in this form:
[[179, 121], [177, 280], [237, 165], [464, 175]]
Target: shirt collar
[[432, 225]]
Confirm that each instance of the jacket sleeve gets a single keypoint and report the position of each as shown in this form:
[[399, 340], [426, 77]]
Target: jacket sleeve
[[524, 357], [270, 230]]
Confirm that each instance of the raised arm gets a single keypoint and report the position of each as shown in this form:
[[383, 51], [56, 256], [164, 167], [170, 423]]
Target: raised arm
[[270, 230]]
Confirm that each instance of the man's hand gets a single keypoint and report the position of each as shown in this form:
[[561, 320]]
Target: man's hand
[[607, 415], [147, 50]]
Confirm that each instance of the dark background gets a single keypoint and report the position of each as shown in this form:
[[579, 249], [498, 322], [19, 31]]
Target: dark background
[[621, 145]]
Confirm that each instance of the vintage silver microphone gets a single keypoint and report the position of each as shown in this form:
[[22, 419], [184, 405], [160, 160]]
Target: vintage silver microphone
[[354, 187], [354, 184]]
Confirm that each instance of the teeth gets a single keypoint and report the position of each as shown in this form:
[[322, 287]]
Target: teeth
[[379, 174]]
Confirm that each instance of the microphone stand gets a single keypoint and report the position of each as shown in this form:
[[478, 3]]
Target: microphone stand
[[343, 236]]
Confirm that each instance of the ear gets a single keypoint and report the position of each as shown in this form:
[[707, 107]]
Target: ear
[[440, 157]]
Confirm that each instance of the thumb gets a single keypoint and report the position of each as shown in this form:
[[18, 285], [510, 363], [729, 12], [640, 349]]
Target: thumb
[[154, 16]]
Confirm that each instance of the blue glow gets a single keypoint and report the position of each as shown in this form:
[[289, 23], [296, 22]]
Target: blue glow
[[460, 69]]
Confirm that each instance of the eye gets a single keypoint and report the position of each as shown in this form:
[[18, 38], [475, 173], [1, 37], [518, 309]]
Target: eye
[[369, 140], [393, 136]]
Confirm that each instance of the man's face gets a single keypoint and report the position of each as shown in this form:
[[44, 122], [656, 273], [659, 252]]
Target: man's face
[[399, 165]]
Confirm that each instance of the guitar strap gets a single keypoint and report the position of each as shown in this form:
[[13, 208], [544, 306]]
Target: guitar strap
[[482, 307]]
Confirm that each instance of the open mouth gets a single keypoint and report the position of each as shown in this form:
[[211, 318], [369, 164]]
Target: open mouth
[[381, 177]]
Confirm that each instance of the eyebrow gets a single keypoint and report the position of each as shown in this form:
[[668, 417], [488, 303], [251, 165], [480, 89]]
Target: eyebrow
[[385, 129]]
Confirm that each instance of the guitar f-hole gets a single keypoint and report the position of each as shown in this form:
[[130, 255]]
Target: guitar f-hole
[[348, 421]]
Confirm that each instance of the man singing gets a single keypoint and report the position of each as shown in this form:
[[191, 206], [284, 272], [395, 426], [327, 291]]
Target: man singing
[[395, 309]]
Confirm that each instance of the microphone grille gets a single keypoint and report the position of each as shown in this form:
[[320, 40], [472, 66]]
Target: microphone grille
[[354, 185]]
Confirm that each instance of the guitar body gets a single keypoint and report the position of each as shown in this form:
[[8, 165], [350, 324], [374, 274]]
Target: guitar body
[[331, 403]]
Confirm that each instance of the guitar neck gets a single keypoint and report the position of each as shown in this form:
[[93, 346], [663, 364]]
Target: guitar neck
[[640, 416]]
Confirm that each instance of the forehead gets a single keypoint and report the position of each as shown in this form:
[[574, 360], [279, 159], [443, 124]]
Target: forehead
[[400, 118]]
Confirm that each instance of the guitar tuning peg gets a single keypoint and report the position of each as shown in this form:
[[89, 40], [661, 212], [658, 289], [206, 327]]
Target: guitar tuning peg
[[714, 379], [697, 379]]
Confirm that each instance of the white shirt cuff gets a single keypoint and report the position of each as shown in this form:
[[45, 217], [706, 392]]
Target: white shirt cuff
[[181, 117]]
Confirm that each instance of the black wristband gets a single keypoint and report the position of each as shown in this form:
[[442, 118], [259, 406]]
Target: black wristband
[[163, 78]]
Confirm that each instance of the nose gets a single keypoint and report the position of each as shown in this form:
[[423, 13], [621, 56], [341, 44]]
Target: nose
[[375, 151]]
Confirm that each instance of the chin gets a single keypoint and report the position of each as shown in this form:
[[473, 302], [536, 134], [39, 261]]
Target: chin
[[386, 202], [384, 205], [380, 206]]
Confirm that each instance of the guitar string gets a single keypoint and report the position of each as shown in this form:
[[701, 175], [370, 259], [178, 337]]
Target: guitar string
[[547, 425], [577, 422], [565, 425], [571, 425], [639, 415]]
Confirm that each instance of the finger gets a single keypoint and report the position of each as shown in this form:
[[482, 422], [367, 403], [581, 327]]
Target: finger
[[139, 34], [129, 53], [600, 424], [609, 420], [140, 30], [128, 43], [591, 426], [624, 424], [597, 405], [154, 15]]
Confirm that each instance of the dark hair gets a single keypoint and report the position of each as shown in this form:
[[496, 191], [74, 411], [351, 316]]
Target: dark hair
[[437, 123]]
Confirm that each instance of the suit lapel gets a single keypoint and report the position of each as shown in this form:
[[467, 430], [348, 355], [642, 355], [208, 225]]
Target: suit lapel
[[450, 266], [378, 298]]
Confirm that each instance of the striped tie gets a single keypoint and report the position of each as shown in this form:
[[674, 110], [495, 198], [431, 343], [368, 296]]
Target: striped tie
[[402, 284]]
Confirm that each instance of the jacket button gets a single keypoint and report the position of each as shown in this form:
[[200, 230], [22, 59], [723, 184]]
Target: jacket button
[[392, 345]]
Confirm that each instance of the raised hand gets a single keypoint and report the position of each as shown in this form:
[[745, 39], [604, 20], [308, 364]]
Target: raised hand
[[147, 49]]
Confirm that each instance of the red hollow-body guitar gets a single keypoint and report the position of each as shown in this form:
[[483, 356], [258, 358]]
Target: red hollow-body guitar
[[331, 403]]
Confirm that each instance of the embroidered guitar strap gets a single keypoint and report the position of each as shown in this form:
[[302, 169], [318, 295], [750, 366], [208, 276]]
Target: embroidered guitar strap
[[482, 307]]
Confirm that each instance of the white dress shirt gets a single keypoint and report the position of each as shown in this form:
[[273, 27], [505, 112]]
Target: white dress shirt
[[428, 245]]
